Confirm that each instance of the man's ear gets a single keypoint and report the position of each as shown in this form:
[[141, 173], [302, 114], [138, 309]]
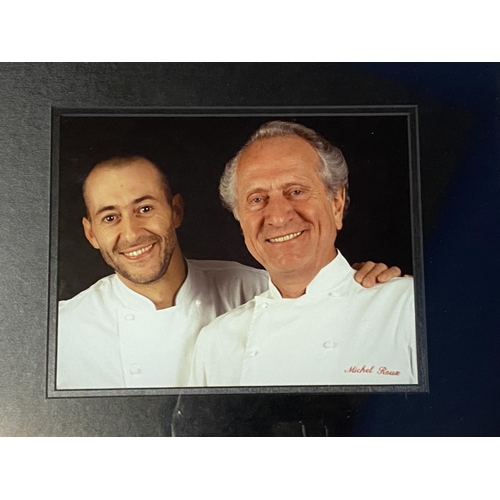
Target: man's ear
[[338, 204], [87, 229], [177, 210]]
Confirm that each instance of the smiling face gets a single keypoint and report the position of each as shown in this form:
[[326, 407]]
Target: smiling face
[[130, 220], [288, 221]]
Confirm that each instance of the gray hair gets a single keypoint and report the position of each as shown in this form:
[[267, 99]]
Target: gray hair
[[332, 168]]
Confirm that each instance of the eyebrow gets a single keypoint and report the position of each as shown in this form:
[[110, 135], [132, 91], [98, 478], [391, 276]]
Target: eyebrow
[[133, 202], [287, 185]]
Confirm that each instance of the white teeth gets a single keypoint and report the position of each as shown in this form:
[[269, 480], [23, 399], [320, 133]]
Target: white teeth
[[138, 252], [280, 239]]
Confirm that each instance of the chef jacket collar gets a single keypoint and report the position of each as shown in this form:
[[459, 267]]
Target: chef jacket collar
[[133, 300], [329, 279]]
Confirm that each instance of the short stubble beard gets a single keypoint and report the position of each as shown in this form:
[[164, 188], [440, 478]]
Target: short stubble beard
[[169, 242]]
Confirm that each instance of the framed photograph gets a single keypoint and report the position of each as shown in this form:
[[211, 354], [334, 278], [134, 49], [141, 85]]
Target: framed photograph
[[410, 134], [107, 337]]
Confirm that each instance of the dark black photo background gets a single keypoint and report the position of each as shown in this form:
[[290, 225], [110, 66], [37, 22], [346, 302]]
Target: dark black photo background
[[193, 150]]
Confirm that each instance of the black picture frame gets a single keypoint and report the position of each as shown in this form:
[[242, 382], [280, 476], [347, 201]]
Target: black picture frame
[[458, 110]]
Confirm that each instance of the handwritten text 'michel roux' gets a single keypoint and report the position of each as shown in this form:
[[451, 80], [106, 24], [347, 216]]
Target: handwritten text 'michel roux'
[[382, 370]]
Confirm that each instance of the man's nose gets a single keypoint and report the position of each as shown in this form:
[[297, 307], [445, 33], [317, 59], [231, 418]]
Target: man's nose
[[131, 228], [279, 211]]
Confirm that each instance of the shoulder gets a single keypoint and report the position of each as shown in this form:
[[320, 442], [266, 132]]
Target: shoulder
[[231, 275], [396, 286], [222, 267], [396, 294], [99, 292], [226, 284]]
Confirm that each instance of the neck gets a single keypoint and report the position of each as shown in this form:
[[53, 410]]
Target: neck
[[291, 291], [163, 291], [294, 284]]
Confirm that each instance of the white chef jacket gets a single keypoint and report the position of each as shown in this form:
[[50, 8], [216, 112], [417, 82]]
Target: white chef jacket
[[336, 333], [112, 337]]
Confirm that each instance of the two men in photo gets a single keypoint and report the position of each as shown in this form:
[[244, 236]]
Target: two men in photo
[[138, 327]]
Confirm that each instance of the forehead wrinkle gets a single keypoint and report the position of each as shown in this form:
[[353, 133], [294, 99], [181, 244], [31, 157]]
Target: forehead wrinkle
[[299, 180], [276, 167]]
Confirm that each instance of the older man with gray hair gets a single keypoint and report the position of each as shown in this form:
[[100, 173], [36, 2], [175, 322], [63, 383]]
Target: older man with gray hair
[[315, 325]]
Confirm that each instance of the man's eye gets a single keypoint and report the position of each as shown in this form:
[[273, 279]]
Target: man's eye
[[146, 209], [257, 199], [109, 218], [296, 192]]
